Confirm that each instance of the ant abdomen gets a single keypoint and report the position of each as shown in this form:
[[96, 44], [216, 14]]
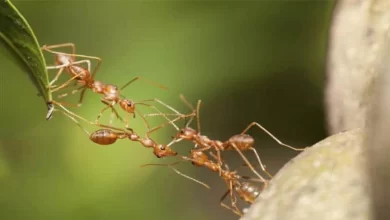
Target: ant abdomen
[[62, 59], [248, 191], [242, 141], [82, 73], [104, 137]]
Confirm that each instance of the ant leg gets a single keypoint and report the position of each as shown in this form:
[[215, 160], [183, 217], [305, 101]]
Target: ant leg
[[71, 113], [178, 172], [72, 93], [264, 184], [49, 47], [85, 120], [183, 98], [83, 61], [197, 114], [259, 160], [73, 54], [226, 206], [57, 66], [127, 120], [180, 116], [217, 157], [75, 121], [143, 119], [190, 178], [62, 68], [56, 77], [82, 96], [163, 104], [233, 199], [66, 83], [145, 80], [165, 124], [109, 105], [247, 162], [111, 117], [271, 135], [93, 73], [159, 113], [176, 113]]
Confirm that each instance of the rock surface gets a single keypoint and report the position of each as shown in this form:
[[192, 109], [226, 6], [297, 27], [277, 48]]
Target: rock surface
[[326, 181]]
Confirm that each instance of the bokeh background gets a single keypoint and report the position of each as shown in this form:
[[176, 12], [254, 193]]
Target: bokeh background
[[246, 60]]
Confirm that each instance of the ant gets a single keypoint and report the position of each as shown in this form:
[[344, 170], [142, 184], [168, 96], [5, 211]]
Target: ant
[[240, 142], [247, 191], [108, 136], [111, 93], [66, 61]]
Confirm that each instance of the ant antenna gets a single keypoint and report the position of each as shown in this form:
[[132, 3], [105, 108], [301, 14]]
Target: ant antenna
[[197, 114], [271, 135], [145, 80]]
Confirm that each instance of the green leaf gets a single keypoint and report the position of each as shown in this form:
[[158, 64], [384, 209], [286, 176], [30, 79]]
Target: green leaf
[[21, 41]]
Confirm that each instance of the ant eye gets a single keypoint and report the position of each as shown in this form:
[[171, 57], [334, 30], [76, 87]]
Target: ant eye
[[129, 104], [162, 147]]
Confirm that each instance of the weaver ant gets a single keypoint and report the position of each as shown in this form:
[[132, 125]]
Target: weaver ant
[[108, 136], [247, 191], [111, 93], [240, 142]]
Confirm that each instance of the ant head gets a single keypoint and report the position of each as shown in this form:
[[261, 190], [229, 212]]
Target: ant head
[[186, 133], [127, 105], [163, 151]]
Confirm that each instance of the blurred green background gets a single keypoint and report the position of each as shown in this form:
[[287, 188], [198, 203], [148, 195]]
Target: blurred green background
[[246, 60]]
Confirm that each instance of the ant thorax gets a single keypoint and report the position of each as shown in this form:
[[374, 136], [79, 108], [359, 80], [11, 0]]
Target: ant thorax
[[202, 140], [205, 139]]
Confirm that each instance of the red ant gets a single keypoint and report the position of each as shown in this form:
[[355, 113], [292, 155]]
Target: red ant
[[107, 135], [240, 142], [65, 61], [86, 79], [247, 191]]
